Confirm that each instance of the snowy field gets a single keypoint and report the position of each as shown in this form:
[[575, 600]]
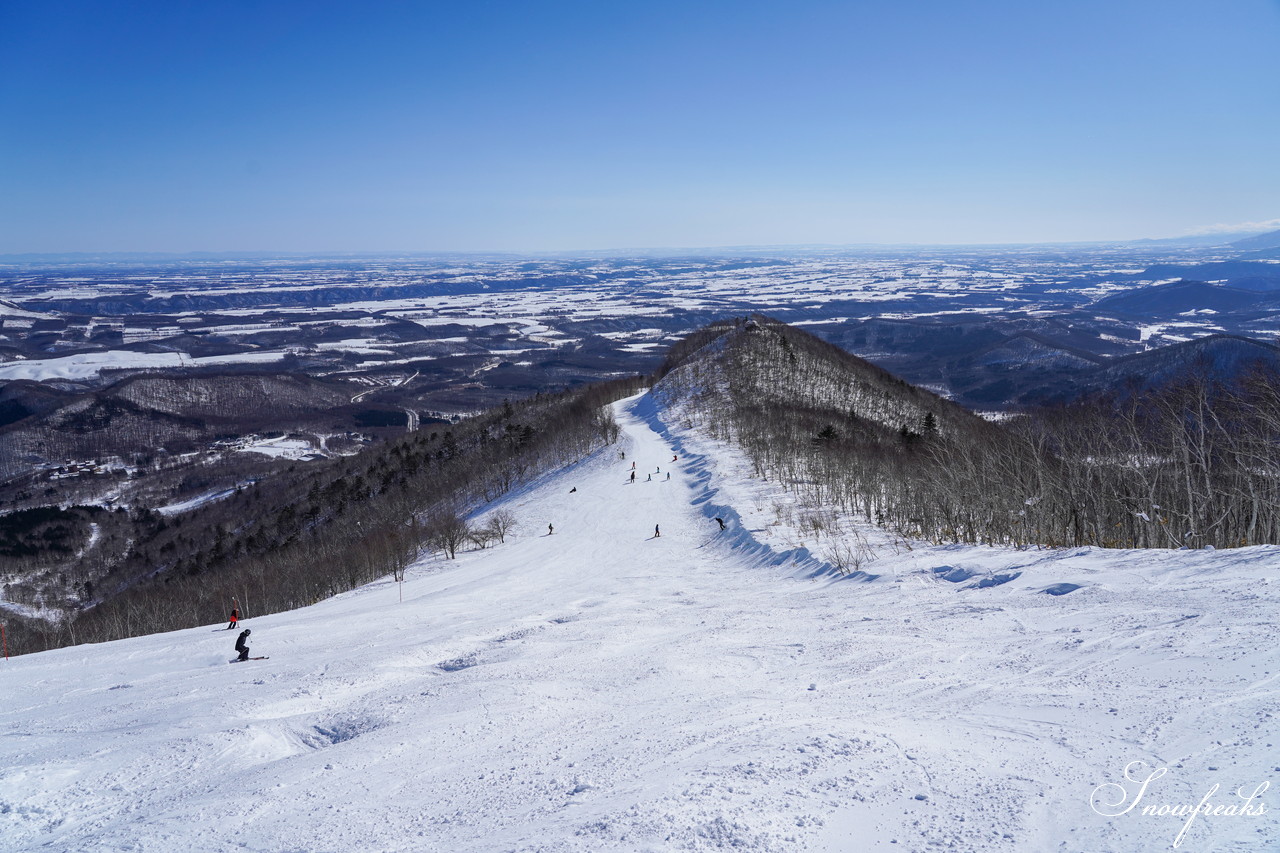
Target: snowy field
[[600, 689], [62, 325], [89, 365]]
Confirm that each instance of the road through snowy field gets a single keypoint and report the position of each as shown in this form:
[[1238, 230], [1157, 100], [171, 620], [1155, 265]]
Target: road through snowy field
[[601, 689]]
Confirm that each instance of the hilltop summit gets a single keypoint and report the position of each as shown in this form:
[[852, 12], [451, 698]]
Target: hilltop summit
[[757, 364]]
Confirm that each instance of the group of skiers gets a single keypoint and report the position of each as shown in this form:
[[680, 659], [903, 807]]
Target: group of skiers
[[657, 531], [242, 647], [656, 470]]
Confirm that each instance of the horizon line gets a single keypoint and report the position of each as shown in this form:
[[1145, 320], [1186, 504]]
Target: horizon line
[[236, 254]]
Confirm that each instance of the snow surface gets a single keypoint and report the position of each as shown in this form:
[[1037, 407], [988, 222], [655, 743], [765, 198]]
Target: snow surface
[[206, 498], [90, 364], [600, 689], [282, 447]]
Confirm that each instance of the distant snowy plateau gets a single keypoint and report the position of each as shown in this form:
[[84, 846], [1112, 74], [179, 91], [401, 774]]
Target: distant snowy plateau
[[600, 689], [990, 327]]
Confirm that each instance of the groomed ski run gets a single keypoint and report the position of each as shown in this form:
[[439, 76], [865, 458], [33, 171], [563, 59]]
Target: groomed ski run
[[604, 690]]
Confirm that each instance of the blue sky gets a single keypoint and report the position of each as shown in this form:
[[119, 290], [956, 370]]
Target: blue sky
[[462, 126]]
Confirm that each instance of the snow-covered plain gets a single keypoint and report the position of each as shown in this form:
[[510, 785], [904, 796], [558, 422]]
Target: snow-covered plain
[[601, 689], [89, 365]]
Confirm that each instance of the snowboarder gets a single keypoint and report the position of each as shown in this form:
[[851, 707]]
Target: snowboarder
[[235, 614], [656, 532], [574, 489], [657, 470], [241, 647], [720, 521], [550, 530], [674, 458]]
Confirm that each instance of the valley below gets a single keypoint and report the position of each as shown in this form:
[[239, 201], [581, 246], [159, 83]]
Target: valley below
[[603, 688], [135, 386]]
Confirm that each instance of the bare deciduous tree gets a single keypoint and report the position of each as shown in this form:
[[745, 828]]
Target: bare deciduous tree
[[448, 532], [501, 523]]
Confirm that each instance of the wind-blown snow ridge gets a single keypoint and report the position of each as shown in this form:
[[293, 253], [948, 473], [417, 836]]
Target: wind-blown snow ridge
[[603, 689], [738, 536]]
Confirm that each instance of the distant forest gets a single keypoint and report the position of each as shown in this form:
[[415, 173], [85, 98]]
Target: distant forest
[[318, 529], [1194, 462]]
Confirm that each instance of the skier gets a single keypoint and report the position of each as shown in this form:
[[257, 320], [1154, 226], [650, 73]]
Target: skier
[[657, 470], [235, 614], [668, 475], [550, 530], [574, 489], [649, 479], [656, 532], [633, 466], [633, 476], [674, 458], [720, 521], [241, 647]]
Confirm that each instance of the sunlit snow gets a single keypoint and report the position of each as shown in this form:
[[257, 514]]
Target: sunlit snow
[[601, 689]]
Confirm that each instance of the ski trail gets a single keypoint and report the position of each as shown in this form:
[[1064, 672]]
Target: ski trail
[[601, 689]]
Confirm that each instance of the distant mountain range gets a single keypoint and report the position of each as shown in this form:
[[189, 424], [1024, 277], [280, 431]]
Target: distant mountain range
[[1270, 240], [1226, 238], [1245, 240], [1226, 359], [1168, 300], [1244, 274]]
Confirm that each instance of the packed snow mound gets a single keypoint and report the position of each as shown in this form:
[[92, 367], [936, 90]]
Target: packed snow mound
[[605, 689]]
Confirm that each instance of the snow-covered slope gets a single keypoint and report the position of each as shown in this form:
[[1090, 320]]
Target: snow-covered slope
[[600, 689]]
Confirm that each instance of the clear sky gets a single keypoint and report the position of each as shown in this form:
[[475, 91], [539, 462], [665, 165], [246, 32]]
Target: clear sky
[[548, 125]]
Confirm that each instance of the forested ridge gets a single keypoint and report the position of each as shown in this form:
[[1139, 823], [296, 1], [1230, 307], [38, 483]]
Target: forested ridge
[[1193, 462], [321, 528]]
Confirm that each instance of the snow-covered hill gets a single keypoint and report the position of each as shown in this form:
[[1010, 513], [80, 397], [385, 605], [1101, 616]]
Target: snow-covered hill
[[602, 689]]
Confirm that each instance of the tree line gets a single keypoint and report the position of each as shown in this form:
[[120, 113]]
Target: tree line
[[325, 527], [1191, 463]]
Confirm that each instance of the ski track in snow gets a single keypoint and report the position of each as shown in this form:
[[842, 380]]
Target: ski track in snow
[[599, 689]]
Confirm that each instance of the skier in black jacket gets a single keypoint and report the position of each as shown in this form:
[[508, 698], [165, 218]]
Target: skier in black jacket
[[241, 647]]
